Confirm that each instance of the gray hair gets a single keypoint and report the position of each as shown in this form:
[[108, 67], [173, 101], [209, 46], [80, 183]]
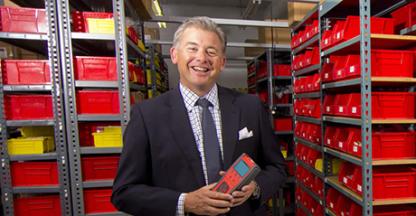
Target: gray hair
[[204, 23]]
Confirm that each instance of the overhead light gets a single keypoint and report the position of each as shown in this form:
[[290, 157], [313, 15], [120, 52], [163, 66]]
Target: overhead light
[[156, 8], [162, 24]]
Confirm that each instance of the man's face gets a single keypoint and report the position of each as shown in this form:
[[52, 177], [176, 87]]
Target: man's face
[[200, 58]]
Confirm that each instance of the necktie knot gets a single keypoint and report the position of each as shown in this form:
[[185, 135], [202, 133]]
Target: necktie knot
[[203, 102]]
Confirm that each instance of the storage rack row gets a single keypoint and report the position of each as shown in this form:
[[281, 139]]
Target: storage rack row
[[354, 110], [62, 117], [269, 78], [156, 73]]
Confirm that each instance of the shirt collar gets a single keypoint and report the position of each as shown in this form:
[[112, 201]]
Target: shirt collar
[[190, 97]]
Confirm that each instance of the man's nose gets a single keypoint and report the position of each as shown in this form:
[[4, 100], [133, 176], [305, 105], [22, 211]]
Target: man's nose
[[201, 56]]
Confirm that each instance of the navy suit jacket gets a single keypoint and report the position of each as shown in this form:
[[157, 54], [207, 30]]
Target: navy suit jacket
[[160, 159]]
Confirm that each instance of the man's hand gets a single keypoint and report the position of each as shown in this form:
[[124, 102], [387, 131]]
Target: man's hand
[[206, 202], [241, 196]]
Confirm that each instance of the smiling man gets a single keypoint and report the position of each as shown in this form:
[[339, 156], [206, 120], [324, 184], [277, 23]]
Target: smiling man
[[177, 145]]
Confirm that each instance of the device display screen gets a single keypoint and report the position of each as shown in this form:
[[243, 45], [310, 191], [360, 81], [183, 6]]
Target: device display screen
[[241, 168]]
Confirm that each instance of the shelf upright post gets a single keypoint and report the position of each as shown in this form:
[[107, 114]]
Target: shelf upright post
[[58, 108], [122, 61], [5, 180], [65, 44], [366, 130]]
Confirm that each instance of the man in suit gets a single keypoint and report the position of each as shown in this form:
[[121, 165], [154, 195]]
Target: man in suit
[[176, 144]]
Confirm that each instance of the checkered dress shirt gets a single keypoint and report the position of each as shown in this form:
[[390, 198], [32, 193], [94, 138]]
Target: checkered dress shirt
[[195, 116]]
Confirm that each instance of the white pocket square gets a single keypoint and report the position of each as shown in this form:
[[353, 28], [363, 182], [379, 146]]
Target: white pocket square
[[244, 134]]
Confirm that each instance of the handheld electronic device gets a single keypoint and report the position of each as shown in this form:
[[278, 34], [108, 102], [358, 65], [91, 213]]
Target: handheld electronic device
[[242, 172]]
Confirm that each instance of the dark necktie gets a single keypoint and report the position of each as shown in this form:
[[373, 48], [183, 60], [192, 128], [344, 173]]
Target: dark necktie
[[211, 143]]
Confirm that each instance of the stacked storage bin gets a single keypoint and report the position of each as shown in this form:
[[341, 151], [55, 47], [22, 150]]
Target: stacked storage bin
[[100, 90], [277, 97], [381, 138], [34, 181], [156, 73], [307, 109]]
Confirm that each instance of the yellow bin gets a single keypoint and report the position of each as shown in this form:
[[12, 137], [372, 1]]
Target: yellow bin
[[30, 145], [100, 26], [110, 137]]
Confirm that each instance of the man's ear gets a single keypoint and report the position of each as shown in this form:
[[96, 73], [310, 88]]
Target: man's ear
[[224, 61], [174, 55]]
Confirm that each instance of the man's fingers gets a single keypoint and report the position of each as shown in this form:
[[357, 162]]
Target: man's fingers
[[238, 194], [219, 203], [219, 196]]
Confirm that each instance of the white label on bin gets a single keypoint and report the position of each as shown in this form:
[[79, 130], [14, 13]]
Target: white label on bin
[[355, 149], [359, 188], [328, 108], [328, 141], [354, 110], [345, 180], [341, 109], [338, 35], [326, 41], [342, 214], [340, 144], [352, 69], [339, 72], [303, 134], [332, 205], [312, 210]]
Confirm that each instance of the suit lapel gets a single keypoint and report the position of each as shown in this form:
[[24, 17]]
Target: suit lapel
[[230, 120], [183, 134]]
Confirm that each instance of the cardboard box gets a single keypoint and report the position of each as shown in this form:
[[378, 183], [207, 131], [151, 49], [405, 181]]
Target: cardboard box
[[274, 35], [297, 10], [151, 33]]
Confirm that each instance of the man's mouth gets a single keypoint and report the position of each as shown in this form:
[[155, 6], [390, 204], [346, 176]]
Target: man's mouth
[[200, 69]]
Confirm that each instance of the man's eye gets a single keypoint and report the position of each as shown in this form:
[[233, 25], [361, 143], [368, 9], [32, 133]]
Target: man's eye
[[192, 49], [212, 52]]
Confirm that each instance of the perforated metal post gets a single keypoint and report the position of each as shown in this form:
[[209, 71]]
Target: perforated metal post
[[58, 108], [71, 117], [122, 62], [5, 181], [365, 57]]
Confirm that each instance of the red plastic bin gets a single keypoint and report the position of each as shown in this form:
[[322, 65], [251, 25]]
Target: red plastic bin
[[49, 205], [95, 68], [393, 105], [331, 198], [405, 17], [283, 124], [394, 145], [25, 72], [37, 173], [28, 107], [345, 30], [311, 57], [281, 70], [23, 20], [98, 200], [394, 182], [97, 102], [99, 168]]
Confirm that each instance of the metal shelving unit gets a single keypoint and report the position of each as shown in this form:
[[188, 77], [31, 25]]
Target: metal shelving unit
[[78, 43], [46, 45], [306, 72], [362, 44]]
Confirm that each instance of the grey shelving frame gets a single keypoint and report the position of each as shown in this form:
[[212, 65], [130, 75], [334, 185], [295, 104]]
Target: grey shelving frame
[[38, 43], [123, 49], [340, 9], [270, 80], [308, 71]]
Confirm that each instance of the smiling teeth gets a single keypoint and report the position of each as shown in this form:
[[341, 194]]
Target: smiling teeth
[[200, 69]]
